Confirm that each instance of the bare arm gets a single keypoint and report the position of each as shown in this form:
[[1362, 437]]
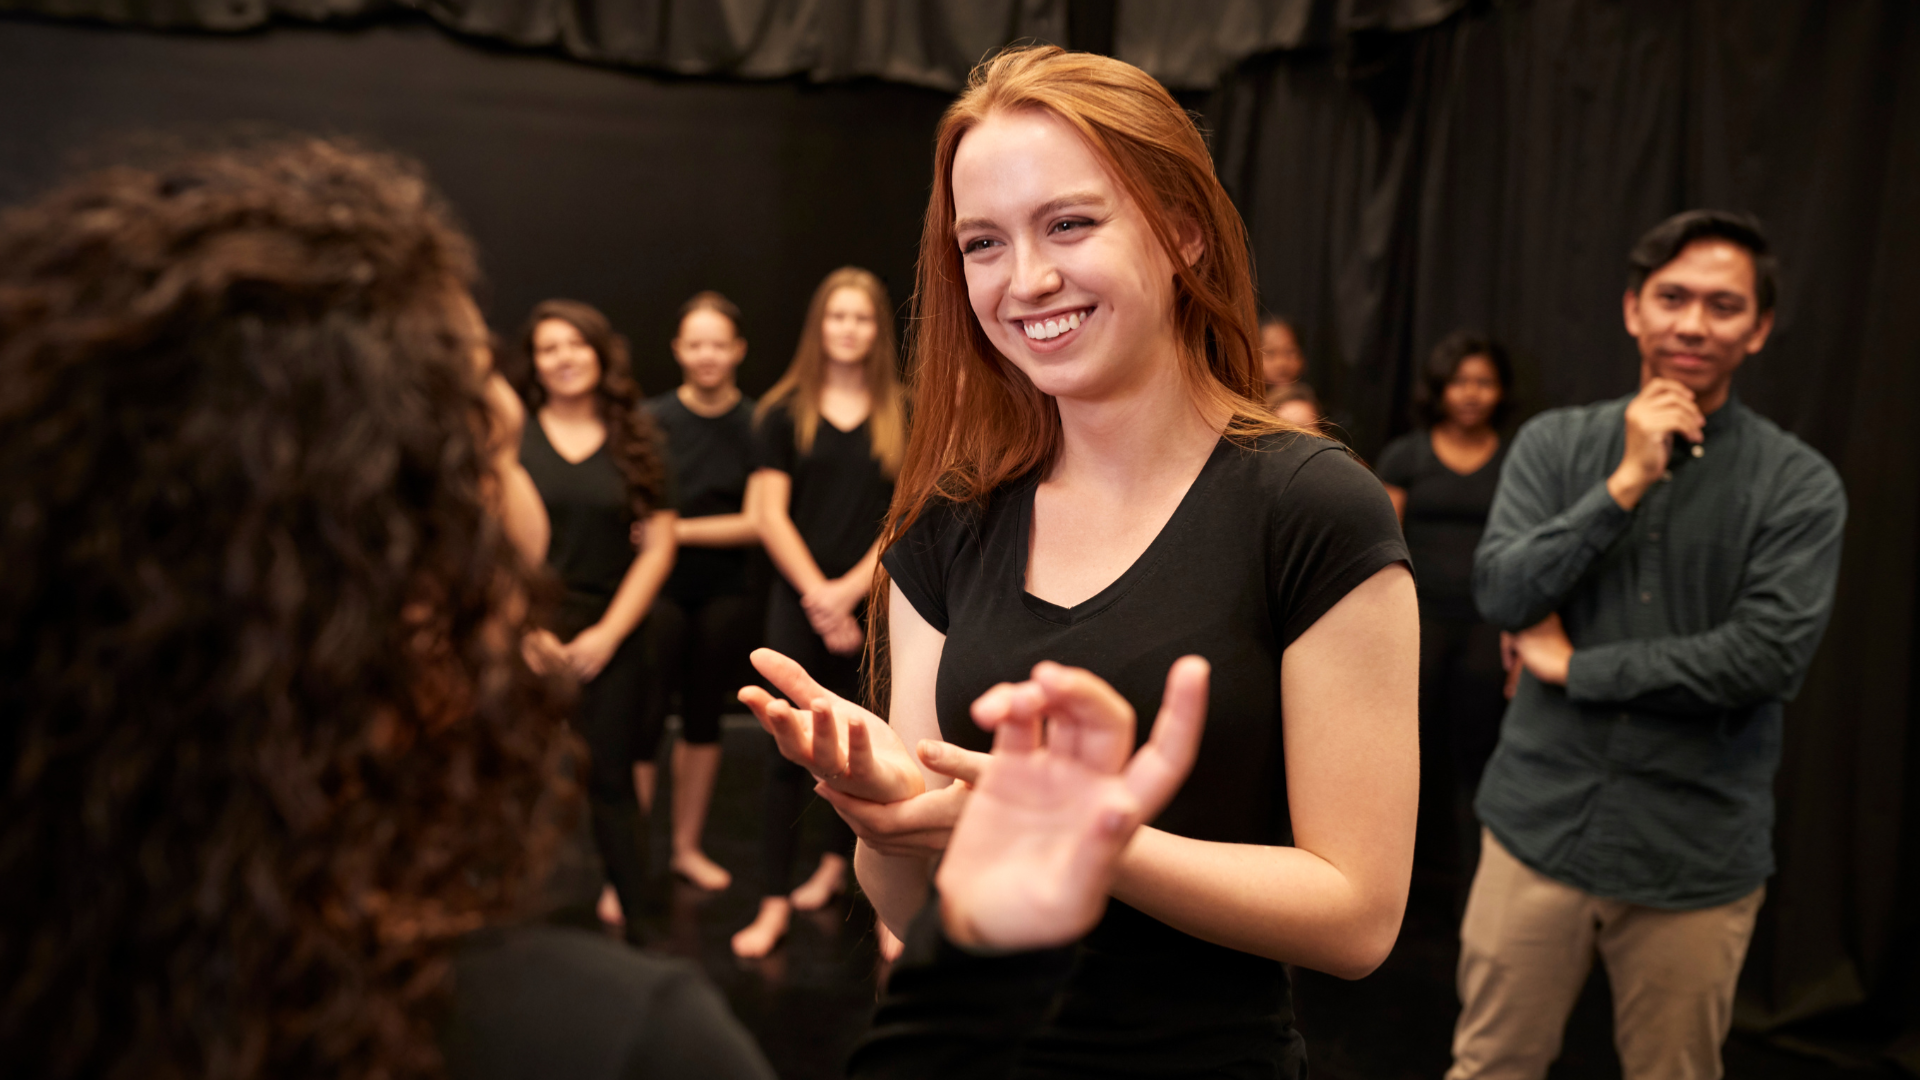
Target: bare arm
[[589, 652], [717, 531], [1334, 900], [522, 514], [897, 884], [1398, 496], [768, 495]]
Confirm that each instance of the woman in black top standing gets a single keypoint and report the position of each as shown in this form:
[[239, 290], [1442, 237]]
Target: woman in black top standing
[[1094, 478], [1441, 478], [704, 621], [595, 456], [829, 441]]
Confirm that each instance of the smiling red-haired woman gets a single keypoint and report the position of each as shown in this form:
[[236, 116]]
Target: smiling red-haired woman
[[1093, 478]]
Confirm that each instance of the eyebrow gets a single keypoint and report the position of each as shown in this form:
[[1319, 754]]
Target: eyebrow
[[1051, 206]]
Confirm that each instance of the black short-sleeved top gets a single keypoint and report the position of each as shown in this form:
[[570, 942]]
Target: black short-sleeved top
[[592, 517], [1446, 513], [712, 456], [1264, 543], [840, 494]]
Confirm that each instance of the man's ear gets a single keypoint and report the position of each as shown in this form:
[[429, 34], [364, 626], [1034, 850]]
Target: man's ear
[[1630, 311], [1761, 328]]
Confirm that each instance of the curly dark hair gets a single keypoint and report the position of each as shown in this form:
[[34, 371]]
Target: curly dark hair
[[270, 747], [1443, 363], [633, 439]]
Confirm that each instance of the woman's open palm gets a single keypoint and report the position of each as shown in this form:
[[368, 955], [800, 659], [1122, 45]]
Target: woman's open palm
[[843, 745]]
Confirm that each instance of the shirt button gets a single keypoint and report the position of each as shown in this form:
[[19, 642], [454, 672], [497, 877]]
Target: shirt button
[[1646, 598]]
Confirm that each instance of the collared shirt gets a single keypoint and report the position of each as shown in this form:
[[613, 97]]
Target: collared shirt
[[1649, 776]]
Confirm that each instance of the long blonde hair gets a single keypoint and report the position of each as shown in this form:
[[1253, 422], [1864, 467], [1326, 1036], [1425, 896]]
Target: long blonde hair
[[798, 391], [978, 420]]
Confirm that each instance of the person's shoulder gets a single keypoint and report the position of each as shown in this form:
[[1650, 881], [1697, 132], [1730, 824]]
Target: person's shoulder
[[1401, 456], [664, 406], [1277, 462], [558, 1000], [1794, 465]]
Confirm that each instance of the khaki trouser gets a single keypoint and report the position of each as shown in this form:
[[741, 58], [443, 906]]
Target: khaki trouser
[[1527, 944]]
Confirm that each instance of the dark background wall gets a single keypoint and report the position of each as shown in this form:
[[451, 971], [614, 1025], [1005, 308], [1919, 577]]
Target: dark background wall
[[628, 192], [1404, 166]]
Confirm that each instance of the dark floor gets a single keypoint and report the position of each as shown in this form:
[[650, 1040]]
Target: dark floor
[[809, 1001]]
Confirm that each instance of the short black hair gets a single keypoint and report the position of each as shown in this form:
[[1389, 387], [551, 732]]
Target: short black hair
[[1430, 391], [1664, 242]]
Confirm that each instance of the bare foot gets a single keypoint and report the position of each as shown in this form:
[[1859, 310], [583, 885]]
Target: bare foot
[[766, 929], [828, 881], [609, 907], [890, 947], [702, 871]]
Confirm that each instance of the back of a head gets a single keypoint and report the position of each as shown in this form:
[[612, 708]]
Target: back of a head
[[269, 747]]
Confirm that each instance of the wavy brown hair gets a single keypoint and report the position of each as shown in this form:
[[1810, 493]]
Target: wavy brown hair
[[633, 439], [269, 748], [798, 391]]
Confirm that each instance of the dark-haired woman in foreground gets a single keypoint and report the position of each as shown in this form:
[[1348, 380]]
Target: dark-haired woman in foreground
[[1441, 477], [597, 459], [1111, 491]]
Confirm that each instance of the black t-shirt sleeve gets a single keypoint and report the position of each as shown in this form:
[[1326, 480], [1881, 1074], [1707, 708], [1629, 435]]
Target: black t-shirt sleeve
[[919, 561], [1333, 528], [1398, 461], [669, 475], [773, 437]]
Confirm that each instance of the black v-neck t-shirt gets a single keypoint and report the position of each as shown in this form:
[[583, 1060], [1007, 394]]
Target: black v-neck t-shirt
[[591, 546], [840, 494], [1446, 513], [711, 457], [1264, 543]]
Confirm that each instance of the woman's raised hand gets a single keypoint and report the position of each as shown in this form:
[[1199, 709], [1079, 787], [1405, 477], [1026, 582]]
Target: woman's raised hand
[[1032, 858], [847, 748]]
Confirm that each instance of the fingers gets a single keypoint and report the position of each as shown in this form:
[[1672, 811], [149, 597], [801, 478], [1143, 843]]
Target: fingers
[[1161, 766], [950, 760], [1088, 719], [1014, 713], [829, 752], [787, 676]]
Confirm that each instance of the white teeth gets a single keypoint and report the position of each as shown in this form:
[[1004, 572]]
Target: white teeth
[[1051, 328]]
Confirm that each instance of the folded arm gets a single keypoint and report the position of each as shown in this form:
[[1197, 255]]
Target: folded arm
[[1762, 649]]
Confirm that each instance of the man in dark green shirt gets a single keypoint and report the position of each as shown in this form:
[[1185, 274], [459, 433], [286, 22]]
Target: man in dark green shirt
[[1666, 566]]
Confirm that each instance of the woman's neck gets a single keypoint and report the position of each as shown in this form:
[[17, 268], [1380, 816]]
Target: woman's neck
[[1134, 438], [843, 377], [709, 402], [1461, 433], [578, 409]]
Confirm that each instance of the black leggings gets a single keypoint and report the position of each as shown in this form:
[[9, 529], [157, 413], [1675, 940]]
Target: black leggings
[[789, 785], [1461, 703], [696, 645], [605, 720]]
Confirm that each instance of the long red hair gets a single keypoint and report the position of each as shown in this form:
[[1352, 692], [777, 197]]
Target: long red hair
[[978, 421]]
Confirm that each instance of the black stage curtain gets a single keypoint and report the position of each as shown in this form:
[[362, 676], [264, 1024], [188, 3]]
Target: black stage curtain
[[1404, 166], [1491, 172], [932, 43]]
